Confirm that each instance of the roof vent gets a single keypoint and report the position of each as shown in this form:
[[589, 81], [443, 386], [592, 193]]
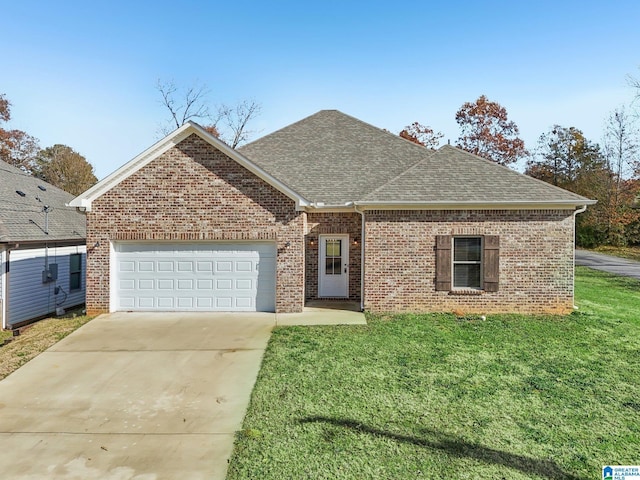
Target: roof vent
[[21, 193], [43, 188]]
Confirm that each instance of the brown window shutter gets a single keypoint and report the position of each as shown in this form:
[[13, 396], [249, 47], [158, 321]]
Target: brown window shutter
[[491, 263], [443, 262]]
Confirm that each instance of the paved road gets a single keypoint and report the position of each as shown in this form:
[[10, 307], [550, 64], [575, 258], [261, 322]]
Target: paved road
[[608, 263]]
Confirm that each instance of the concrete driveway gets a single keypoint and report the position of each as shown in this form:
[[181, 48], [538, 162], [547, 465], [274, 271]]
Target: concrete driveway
[[133, 396], [608, 263]]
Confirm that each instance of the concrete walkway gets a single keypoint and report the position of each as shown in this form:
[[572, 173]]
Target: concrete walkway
[[137, 396], [608, 263]]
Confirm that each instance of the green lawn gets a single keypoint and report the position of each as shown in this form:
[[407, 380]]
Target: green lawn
[[432, 396]]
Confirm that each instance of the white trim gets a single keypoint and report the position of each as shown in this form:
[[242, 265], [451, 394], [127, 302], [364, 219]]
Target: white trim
[[515, 205], [85, 199], [113, 278]]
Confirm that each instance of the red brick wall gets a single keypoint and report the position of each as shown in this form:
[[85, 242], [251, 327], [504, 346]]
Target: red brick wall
[[333, 223], [536, 260], [195, 192]]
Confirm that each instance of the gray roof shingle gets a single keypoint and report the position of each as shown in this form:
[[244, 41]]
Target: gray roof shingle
[[22, 218], [451, 174], [333, 158]]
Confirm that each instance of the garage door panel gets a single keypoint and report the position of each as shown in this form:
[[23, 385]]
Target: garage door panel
[[243, 266], [146, 302], [127, 266], [204, 266], [165, 284], [146, 266], [223, 266], [165, 266], [244, 302], [224, 302], [204, 277]]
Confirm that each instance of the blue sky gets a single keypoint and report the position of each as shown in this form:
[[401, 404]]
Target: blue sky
[[84, 73]]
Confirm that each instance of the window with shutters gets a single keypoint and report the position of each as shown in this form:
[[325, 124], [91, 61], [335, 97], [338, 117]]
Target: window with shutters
[[466, 262]]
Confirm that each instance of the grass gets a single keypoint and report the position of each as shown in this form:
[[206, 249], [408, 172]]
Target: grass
[[632, 253], [36, 339], [432, 396]]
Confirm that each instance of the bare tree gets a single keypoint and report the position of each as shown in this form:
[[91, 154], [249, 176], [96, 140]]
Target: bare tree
[[190, 104], [229, 123], [236, 120]]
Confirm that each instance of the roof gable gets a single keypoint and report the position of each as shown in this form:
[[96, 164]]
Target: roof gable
[[85, 199], [23, 217]]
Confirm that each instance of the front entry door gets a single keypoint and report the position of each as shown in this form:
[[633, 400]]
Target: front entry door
[[333, 270]]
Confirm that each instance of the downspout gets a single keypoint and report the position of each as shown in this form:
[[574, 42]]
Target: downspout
[[573, 284], [361, 212]]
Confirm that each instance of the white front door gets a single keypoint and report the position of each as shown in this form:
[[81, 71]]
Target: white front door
[[333, 270]]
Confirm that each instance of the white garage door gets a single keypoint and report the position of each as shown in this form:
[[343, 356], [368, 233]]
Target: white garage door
[[195, 276]]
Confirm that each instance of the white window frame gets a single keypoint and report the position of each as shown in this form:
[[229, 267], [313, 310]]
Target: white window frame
[[466, 262]]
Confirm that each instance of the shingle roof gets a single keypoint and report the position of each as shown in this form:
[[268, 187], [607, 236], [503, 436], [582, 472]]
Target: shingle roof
[[22, 218], [450, 174], [333, 158]]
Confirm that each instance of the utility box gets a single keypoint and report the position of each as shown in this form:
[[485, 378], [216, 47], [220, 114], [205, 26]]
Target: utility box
[[50, 274]]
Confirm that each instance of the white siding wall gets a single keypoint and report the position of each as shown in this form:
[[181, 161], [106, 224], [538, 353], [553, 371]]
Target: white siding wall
[[28, 296]]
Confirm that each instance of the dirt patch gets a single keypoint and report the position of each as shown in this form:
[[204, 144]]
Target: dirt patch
[[36, 339]]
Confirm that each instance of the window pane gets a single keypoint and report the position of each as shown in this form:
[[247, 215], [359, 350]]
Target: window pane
[[75, 263], [333, 248], [466, 276], [74, 281], [467, 249], [332, 266]]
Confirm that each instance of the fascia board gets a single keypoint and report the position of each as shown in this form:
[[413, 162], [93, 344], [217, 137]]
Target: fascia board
[[558, 204]]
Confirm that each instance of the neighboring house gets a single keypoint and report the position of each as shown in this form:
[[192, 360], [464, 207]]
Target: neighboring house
[[326, 208], [42, 249]]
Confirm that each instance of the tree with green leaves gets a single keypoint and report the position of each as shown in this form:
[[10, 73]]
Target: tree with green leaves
[[487, 132], [564, 157], [65, 168]]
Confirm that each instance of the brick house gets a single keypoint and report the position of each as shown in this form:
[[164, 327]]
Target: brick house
[[326, 208]]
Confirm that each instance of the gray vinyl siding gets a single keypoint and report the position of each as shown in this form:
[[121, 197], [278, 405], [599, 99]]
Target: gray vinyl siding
[[29, 297]]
